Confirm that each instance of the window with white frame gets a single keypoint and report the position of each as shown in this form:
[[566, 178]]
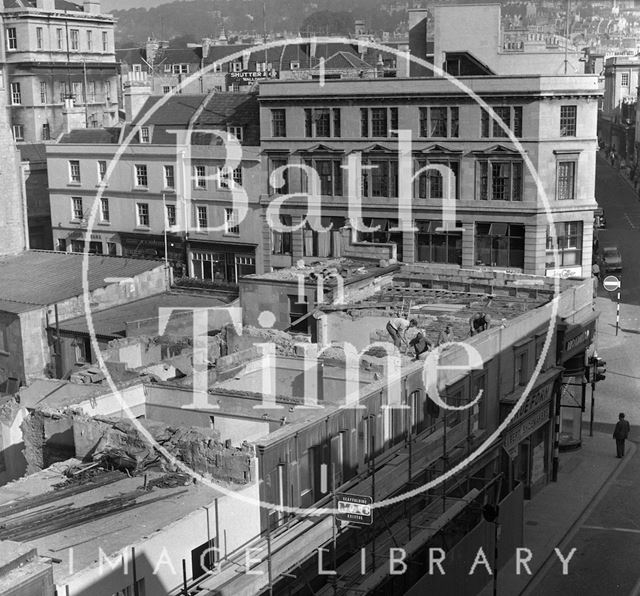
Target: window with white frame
[[294, 65], [568, 120], [217, 67], [39, 38], [102, 170], [90, 41], [170, 212], [226, 174], [202, 219], [142, 214], [566, 180], [168, 89], [105, 41], [180, 69], [16, 94], [18, 132], [236, 131], [169, 177], [236, 66], [199, 176], [91, 91], [12, 38], [137, 68], [231, 224], [104, 210], [43, 92], [74, 34], [278, 123], [142, 178], [624, 79], [76, 208], [59, 38], [74, 171], [144, 134]]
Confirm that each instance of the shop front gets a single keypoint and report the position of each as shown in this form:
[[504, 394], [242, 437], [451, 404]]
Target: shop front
[[528, 439], [574, 340], [219, 262], [143, 246]]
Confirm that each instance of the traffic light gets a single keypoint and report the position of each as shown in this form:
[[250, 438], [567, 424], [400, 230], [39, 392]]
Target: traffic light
[[599, 368]]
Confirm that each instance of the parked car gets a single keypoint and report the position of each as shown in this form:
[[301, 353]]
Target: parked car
[[610, 260], [599, 220]]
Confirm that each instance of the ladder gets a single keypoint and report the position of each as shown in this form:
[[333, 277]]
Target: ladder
[[405, 309]]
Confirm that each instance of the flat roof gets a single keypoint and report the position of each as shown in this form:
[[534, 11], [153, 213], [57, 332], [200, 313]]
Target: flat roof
[[140, 514], [112, 322], [349, 269], [37, 278]]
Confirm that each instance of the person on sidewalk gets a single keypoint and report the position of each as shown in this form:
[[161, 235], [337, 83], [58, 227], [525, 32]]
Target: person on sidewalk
[[620, 434]]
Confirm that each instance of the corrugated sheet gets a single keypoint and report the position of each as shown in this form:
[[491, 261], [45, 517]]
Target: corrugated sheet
[[39, 278]]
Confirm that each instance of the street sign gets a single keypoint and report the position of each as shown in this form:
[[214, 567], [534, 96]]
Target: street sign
[[611, 283], [354, 509]]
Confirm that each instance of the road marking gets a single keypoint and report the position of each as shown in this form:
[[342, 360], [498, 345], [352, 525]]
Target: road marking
[[629, 530], [633, 226]]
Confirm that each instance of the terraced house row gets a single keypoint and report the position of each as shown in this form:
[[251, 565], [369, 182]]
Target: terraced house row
[[510, 192]]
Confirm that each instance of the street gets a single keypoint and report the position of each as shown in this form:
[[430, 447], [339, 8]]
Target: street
[[607, 536]]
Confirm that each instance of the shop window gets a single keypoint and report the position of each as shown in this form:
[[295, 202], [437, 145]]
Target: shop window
[[569, 239], [434, 245], [500, 245], [324, 244]]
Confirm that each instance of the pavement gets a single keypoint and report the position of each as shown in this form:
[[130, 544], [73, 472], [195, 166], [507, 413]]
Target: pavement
[[593, 507], [552, 514]]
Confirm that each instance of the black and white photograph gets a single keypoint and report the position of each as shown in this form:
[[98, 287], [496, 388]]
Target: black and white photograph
[[319, 298]]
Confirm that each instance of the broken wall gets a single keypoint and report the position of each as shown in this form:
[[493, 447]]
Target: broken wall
[[55, 436]]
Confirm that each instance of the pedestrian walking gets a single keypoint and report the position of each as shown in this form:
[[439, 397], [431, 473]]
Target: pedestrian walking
[[620, 434]]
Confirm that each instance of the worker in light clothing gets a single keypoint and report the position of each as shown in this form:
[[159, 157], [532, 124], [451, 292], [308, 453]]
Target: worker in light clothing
[[397, 329]]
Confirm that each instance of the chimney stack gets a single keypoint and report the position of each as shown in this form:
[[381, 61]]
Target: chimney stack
[[73, 116], [92, 6], [136, 92], [45, 4]]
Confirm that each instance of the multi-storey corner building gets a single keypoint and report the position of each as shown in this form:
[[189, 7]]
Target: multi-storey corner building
[[617, 122], [60, 67], [500, 202], [159, 175]]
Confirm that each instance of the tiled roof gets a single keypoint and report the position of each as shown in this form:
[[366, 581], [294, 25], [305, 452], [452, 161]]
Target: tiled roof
[[112, 322], [341, 60], [131, 56], [91, 136], [59, 4], [178, 56], [33, 152], [221, 52], [176, 110], [233, 109], [40, 278]]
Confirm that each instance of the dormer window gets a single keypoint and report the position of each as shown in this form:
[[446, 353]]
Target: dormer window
[[145, 136]]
